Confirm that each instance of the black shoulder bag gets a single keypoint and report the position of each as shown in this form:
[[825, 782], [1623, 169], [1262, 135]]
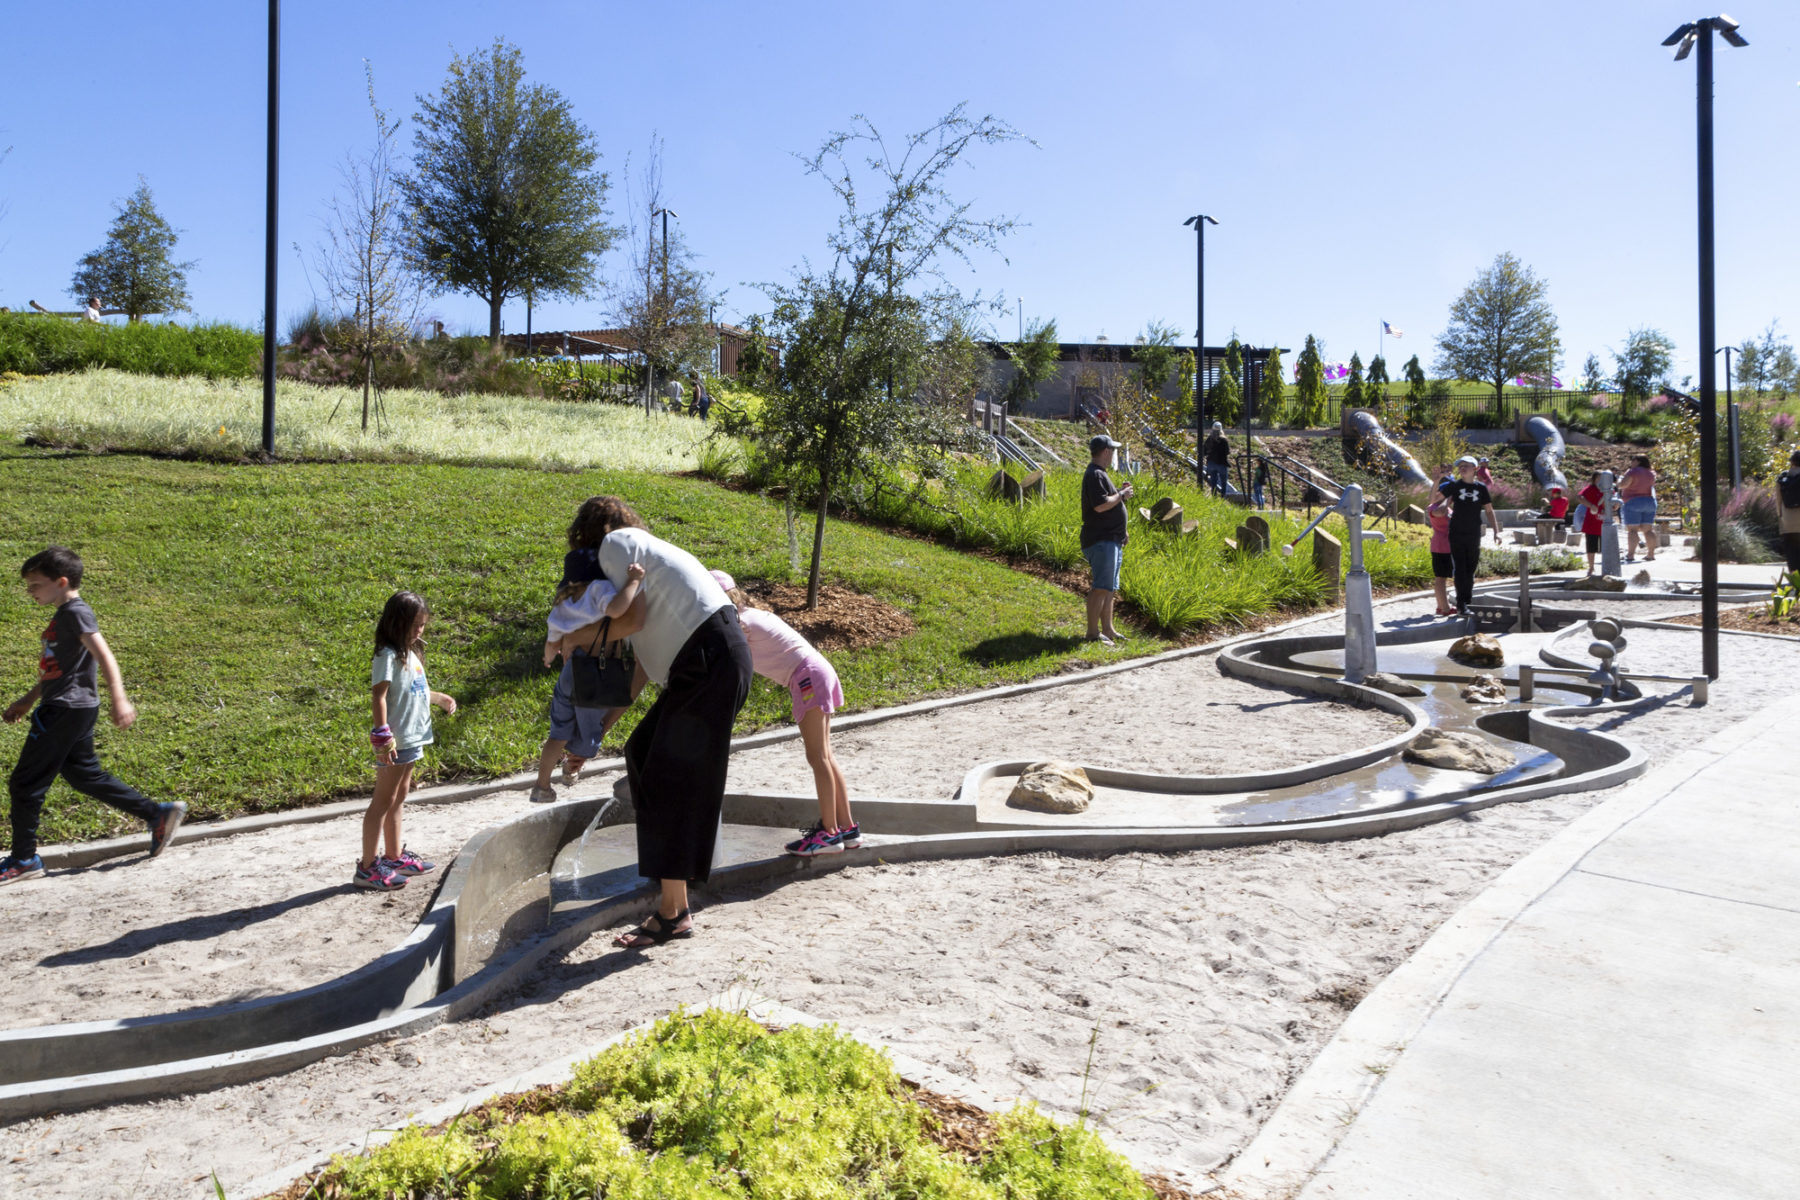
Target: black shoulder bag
[[603, 680]]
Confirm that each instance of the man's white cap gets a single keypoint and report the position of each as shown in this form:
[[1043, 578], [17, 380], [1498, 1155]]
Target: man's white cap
[[1467, 458], [1217, 425]]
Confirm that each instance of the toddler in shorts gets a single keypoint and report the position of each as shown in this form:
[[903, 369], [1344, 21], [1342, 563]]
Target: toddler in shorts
[[583, 598], [779, 653]]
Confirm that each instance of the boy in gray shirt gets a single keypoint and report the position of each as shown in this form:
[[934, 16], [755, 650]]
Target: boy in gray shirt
[[61, 741]]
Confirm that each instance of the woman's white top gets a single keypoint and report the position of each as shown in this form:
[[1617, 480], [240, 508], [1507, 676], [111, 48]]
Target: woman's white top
[[679, 594]]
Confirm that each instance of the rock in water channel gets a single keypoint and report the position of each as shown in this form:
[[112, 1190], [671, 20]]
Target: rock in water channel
[[1052, 787], [1478, 649], [1454, 750]]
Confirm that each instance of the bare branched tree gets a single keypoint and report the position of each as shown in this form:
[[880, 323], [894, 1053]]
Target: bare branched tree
[[662, 298], [375, 296]]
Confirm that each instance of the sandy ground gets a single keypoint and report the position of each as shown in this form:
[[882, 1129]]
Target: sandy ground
[[1210, 979], [271, 912]]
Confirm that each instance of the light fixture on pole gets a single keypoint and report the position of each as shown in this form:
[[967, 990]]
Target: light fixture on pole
[[1200, 222], [269, 233], [1685, 39]]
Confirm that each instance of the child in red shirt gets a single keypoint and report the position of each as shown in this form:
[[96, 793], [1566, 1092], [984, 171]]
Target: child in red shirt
[[1590, 524], [1559, 504]]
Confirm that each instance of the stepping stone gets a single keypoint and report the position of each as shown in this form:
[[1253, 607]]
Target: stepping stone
[[1412, 514]]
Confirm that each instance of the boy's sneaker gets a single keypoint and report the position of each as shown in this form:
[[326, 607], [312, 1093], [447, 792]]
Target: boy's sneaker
[[817, 840], [162, 830], [377, 877], [15, 870], [407, 864], [571, 767], [543, 795], [850, 837]]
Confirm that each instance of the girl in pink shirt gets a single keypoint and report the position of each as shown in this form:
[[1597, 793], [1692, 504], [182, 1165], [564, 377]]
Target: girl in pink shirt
[[1442, 568], [779, 653]]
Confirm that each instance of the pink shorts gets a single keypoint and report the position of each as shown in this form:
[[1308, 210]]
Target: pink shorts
[[814, 685]]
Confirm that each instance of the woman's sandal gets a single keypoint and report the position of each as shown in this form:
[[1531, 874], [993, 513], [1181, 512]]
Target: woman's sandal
[[666, 928]]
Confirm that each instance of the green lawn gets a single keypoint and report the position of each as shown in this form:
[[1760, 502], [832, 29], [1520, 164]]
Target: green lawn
[[222, 421], [241, 601]]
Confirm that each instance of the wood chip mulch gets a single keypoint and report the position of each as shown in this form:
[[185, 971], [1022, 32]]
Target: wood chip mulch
[[844, 620], [1755, 619]]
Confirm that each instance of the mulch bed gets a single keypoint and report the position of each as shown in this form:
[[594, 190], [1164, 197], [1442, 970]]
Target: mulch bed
[[1754, 619], [844, 620]]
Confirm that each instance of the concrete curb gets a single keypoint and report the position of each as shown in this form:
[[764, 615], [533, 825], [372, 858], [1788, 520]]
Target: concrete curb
[[1298, 1138], [84, 854]]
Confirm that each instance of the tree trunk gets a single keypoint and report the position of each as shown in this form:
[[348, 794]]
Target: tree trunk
[[818, 551], [494, 322], [368, 385]]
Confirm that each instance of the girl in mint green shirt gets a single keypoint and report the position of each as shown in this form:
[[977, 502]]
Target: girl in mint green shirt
[[400, 718]]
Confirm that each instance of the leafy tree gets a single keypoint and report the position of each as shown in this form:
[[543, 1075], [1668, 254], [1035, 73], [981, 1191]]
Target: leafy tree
[[1354, 396], [1592, 378], [1415, 387], [1226, 399], [664, 300], [1310, 394], [362, 261], [846, 330], [1272, 389], [504, 199], [1766, 361], [1500, 327], [755, 364], [1034, 360], [1378, 372], [134, 271], [1642, 367], [1156, 356]]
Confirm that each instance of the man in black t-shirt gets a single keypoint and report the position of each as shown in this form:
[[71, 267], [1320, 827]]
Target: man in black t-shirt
[[1469, 500], [1217, 453], [1103, 537]]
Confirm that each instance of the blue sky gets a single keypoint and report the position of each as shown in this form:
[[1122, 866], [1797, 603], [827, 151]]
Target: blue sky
[[1364, 160]]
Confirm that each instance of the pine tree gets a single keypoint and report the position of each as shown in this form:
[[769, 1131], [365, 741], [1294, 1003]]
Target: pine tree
[[1310, 396], [1227, 397], [1354, 392], [134, 271], [1272, 389], [1415, 387]]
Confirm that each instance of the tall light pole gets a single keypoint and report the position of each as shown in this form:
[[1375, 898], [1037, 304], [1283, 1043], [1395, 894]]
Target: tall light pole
[[1200, 222], [269, 232], [1731, 423], [649, 368], [1699, 33]]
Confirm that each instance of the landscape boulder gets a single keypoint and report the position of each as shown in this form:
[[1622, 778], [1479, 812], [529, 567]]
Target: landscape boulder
[[1052, 787], [1455, 750], [1598, 583], [1485, 689], [1478, 649], [1393, 685]]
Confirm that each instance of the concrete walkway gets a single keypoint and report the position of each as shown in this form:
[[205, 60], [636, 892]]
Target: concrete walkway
[[1619, 1015]]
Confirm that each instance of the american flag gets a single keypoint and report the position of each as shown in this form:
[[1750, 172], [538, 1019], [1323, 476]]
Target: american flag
[[1391, 331]]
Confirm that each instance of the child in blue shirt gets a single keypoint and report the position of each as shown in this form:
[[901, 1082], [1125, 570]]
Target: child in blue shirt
[[400, 707]]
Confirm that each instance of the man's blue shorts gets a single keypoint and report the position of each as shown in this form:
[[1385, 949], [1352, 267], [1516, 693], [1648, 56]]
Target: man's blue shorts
[[580, 727], [1105, 558]]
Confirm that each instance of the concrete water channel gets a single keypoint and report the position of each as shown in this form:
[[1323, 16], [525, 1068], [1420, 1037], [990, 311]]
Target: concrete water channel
[[536, 885]]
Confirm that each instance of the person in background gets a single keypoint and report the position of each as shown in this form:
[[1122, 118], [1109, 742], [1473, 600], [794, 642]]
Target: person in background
[[702, 398], [1637, 493], [1556, 506], [1217, 453], [1103, 536], [1484, 474], [1443, 567], [1259, 487], [1593, 504], [1469, 500], [1787, 494]]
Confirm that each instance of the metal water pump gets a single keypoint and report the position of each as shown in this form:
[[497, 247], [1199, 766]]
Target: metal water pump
[[1359, 595]]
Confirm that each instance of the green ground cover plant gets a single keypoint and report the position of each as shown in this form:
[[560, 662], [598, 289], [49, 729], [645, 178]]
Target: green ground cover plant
[[711, 1106], [241, 602], [222, 421], [34, 344]]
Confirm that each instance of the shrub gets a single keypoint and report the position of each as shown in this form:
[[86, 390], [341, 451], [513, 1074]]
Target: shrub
[[1757, 507], [1781, 425], [34, 344], [1740, 542]]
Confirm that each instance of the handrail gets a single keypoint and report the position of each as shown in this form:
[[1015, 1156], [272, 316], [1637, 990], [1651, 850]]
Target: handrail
[[1020, 430]]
